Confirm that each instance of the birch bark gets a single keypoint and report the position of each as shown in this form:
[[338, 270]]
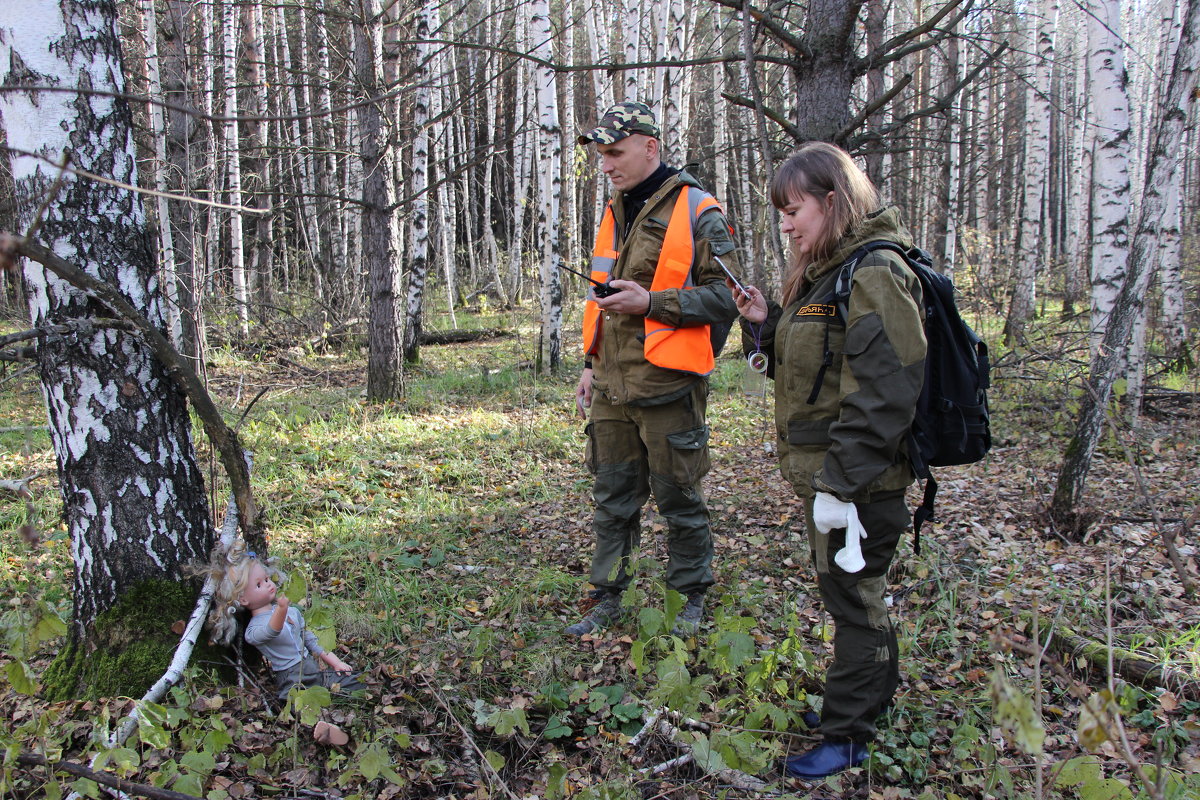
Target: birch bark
[[234, 164], [419, 184], [1035, 174], [1110, 164], [133, 496], [550, 189], [1107, 357]]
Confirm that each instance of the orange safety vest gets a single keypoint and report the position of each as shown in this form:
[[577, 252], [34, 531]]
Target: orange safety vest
[[683, 349]]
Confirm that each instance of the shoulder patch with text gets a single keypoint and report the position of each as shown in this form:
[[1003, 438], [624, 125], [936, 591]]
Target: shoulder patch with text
[[817, 310]]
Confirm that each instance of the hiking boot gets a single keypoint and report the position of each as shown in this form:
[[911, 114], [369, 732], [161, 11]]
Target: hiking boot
[[688, 620], [828, 759], [606, 612]]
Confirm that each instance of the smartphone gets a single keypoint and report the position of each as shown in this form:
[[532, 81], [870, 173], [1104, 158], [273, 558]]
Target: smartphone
[[736, 283]]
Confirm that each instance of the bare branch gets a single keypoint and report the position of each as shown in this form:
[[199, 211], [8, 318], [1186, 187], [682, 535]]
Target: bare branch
[[223, 437]]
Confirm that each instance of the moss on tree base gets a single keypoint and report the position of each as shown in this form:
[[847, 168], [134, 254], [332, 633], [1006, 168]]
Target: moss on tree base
[[129, 647]]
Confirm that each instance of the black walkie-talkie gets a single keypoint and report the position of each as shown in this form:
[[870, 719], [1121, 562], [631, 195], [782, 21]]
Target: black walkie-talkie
[[598, 288]]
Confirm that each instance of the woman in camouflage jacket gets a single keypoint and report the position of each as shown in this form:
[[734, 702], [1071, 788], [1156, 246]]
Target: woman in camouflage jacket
[[846, 388]]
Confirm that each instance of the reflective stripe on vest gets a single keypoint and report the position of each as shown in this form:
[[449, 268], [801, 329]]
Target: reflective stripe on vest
[[683, 349]]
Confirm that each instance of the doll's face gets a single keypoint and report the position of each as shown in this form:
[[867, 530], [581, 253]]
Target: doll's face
[[260, 589]]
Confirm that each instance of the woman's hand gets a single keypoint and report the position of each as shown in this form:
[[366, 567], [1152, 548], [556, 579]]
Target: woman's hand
[[750, 304]]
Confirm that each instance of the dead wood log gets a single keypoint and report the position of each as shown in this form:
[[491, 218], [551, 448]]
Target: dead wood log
[[1126, 663], [462, 336]]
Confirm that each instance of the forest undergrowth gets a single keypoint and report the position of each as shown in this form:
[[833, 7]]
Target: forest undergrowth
[[446, 541]]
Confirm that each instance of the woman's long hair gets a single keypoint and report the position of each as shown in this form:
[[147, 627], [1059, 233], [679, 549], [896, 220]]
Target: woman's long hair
[[817, 169]]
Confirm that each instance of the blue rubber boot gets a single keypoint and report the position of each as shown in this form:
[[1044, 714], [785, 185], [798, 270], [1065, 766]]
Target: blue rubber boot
[[829, 758]]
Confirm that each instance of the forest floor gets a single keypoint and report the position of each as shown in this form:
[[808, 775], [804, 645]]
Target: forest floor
[[447, 539]]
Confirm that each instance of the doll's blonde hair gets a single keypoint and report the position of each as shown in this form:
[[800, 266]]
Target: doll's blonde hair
[[230, 569]]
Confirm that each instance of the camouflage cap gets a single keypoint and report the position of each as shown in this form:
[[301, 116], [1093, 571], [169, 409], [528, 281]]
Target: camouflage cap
[[620, 121]]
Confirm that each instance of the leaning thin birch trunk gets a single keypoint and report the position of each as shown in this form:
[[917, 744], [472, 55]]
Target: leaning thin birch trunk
[[187, 642], [1164, 159]]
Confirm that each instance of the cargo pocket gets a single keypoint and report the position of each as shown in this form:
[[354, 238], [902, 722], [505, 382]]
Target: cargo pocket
[[809, 432], [690, 455], [589, 450]]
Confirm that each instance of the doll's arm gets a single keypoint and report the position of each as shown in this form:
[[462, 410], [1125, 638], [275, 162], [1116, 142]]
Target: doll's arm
[[335, 663], [279, 614]]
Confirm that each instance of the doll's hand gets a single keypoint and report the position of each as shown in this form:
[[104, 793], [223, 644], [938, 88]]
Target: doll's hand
[[336, 664], [282, 601]]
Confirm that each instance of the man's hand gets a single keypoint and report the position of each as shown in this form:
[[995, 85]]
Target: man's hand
[[632, 299], [583, 392]]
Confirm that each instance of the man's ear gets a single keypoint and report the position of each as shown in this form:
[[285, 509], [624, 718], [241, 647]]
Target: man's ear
[[653, 147]]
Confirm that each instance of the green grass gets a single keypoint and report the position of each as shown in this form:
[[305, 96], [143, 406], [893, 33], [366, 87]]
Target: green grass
[[448, 537]]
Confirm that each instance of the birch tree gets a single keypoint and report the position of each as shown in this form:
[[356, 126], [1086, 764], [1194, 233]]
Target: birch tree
[[1110, 161], [1106, 359], [133, 497], [550, 189], [1035, 172], [233, 163], [418, 266]]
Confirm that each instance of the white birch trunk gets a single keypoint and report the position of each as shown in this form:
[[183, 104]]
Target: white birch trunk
[[419, 184], [632, 28], [1104, 370], [234, 164], [133, 495], [1035, 173], [166, 253], [550, 170], [1110, 169]]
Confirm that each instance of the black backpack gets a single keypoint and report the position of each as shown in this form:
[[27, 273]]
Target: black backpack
[[951, 425]]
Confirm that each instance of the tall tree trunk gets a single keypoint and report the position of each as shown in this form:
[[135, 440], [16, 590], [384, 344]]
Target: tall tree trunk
[[1110, 167], [1035, 173], [166, 238], [234, 156], [419, 184], [381, 258], [133, 495], [1104, 371], [550, 190]]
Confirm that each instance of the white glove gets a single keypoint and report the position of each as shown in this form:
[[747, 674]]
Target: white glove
[[830, 513]]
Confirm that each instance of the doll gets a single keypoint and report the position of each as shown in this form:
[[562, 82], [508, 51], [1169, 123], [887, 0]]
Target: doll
[[275, 628]]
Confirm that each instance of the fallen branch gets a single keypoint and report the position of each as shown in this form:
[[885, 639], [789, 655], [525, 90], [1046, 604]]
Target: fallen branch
[[187, 642], [104, 778], [734, 777], [224, 438], [460, 336], [468, 738]]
